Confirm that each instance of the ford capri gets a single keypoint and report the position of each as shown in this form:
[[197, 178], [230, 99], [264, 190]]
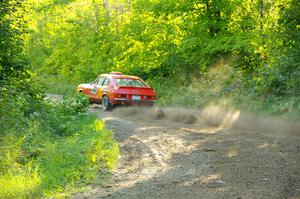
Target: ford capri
[[116, 89]]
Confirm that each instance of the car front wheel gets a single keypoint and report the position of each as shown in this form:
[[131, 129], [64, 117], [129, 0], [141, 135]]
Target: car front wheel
[[106, 105]]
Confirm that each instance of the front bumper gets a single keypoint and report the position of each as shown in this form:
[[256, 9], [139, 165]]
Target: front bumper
[[125, 101]]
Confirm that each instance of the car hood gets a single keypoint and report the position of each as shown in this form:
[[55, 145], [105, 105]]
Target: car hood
[[90, 86]]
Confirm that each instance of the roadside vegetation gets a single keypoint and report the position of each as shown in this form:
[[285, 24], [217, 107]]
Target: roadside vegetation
[[58, 148], [49, 149]]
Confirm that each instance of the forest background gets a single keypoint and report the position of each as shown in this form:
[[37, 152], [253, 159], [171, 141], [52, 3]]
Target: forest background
[[191, 51]]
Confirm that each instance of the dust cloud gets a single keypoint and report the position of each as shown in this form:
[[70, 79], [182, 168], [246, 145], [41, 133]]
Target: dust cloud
[[214, 116]]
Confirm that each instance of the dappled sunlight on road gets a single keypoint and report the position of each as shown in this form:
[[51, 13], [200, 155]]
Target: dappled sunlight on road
[[232, 152], [148, 128], [267, 145], [202, 179], [146, 157], [208, 153]]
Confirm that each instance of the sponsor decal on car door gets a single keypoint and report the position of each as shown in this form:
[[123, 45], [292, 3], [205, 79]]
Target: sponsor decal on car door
[[96, 92]]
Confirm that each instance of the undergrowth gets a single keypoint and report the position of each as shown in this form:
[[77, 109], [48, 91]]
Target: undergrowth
[[60, 149], [58, 84], [223, 85]]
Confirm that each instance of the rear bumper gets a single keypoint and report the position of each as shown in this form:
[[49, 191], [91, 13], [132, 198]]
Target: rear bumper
[[125, 101]]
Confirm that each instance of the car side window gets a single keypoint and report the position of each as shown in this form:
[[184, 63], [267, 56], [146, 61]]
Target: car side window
[[106, 82], [100, 80]]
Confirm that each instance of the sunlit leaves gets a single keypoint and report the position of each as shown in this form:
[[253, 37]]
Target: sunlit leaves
[[82, 38]]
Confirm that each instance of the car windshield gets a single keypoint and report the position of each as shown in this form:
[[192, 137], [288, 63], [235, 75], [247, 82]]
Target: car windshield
[[130, 82]]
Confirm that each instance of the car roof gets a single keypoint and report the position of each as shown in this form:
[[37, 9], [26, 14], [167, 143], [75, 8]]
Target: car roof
[[121, 76]]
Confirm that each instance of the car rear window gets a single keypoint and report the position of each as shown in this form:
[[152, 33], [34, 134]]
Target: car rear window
[[130, 82]]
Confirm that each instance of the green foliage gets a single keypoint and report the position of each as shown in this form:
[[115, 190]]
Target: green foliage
[[12, 27], [60, 148], [77, 159], [285, 74], [170, 39], [56, 84]]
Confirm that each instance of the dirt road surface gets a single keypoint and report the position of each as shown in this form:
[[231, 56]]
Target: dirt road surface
[[209, 153]]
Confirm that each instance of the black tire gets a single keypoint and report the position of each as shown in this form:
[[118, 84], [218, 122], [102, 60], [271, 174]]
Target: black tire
[[106, 105]]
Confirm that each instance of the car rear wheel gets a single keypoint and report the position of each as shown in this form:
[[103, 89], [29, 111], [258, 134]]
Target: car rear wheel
[[106, 105]]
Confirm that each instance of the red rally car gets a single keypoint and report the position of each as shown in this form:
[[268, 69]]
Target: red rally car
[[115, 89]]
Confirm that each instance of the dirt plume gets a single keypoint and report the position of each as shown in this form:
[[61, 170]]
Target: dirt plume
[[177, 115], [214, 116]]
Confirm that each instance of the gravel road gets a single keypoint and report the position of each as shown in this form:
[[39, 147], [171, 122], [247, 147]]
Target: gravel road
[[209, 153]]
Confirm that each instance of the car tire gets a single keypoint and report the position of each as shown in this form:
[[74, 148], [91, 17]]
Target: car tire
[[106, 105]]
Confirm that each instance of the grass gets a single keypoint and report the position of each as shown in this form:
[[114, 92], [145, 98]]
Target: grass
[[79, 159], [58, 165], [19, 185]]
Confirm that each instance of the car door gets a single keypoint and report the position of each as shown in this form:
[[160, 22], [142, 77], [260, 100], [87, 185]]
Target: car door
[[95, 91], [105, 86]]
